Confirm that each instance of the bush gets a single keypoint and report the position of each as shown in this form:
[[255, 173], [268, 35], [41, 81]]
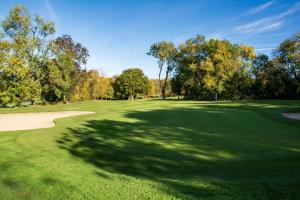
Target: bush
[[25, 104]]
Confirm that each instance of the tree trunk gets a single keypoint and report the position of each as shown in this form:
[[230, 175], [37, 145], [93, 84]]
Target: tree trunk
[[159, 80], [165, 85]]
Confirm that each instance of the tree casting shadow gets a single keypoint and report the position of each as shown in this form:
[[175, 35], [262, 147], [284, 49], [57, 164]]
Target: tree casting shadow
[[173, 145]]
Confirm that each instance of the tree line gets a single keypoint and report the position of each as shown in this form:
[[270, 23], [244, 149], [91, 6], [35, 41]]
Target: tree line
[[35, 68], [203, 68]]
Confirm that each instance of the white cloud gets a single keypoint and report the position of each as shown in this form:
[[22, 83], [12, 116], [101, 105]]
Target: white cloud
[[217, 35], [262, 25], [50, 9], [290, 11], [260, 8], [266, 24]]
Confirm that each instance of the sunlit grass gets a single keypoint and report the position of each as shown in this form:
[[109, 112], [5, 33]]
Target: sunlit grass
[[156, 150]]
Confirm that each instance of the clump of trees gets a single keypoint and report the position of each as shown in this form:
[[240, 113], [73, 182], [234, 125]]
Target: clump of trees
[[132, 83], [279, 76], [92, 86], [212, 69], [35, 67]]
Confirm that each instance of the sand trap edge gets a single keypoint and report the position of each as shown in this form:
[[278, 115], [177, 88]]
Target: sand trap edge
[[295, 116], [34, 120]]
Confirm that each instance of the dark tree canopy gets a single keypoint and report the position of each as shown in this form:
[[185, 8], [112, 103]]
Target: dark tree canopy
[[79, 52]]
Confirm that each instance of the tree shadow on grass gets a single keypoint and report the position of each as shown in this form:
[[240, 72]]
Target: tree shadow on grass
[[175, 146]]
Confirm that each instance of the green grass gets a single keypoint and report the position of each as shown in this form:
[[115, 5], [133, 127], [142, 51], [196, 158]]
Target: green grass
[[156, 150]]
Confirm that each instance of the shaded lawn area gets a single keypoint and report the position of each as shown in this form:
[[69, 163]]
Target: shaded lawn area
[[158, 150]]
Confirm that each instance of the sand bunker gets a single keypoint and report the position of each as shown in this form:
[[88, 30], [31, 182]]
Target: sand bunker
[[292, 115], [28, 121]]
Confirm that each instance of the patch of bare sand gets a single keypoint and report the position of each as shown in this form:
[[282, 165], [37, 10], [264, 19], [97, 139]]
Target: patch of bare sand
[[292, 115], [29, 121]]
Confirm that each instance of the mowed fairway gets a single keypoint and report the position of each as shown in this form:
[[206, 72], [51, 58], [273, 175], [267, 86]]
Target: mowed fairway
[[156, 150]]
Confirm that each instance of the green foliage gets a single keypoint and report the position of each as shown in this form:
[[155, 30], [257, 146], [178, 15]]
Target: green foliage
[[63, 71], [205, 69], [57, 81], [110, 93], [21, 49], [130, 83], [288, 60], [91, 86], [206, 66], [166, 54], [4, 98], [32, 66], [279, 77]]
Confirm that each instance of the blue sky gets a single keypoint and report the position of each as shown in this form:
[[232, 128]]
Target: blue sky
[[118, 34]]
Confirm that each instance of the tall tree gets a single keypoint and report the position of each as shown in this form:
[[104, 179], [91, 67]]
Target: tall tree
[[63, 70], [190, 66], [32, 66], [26, 43], [271, 80], [288, 56], [239, 85], [166, 54]]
